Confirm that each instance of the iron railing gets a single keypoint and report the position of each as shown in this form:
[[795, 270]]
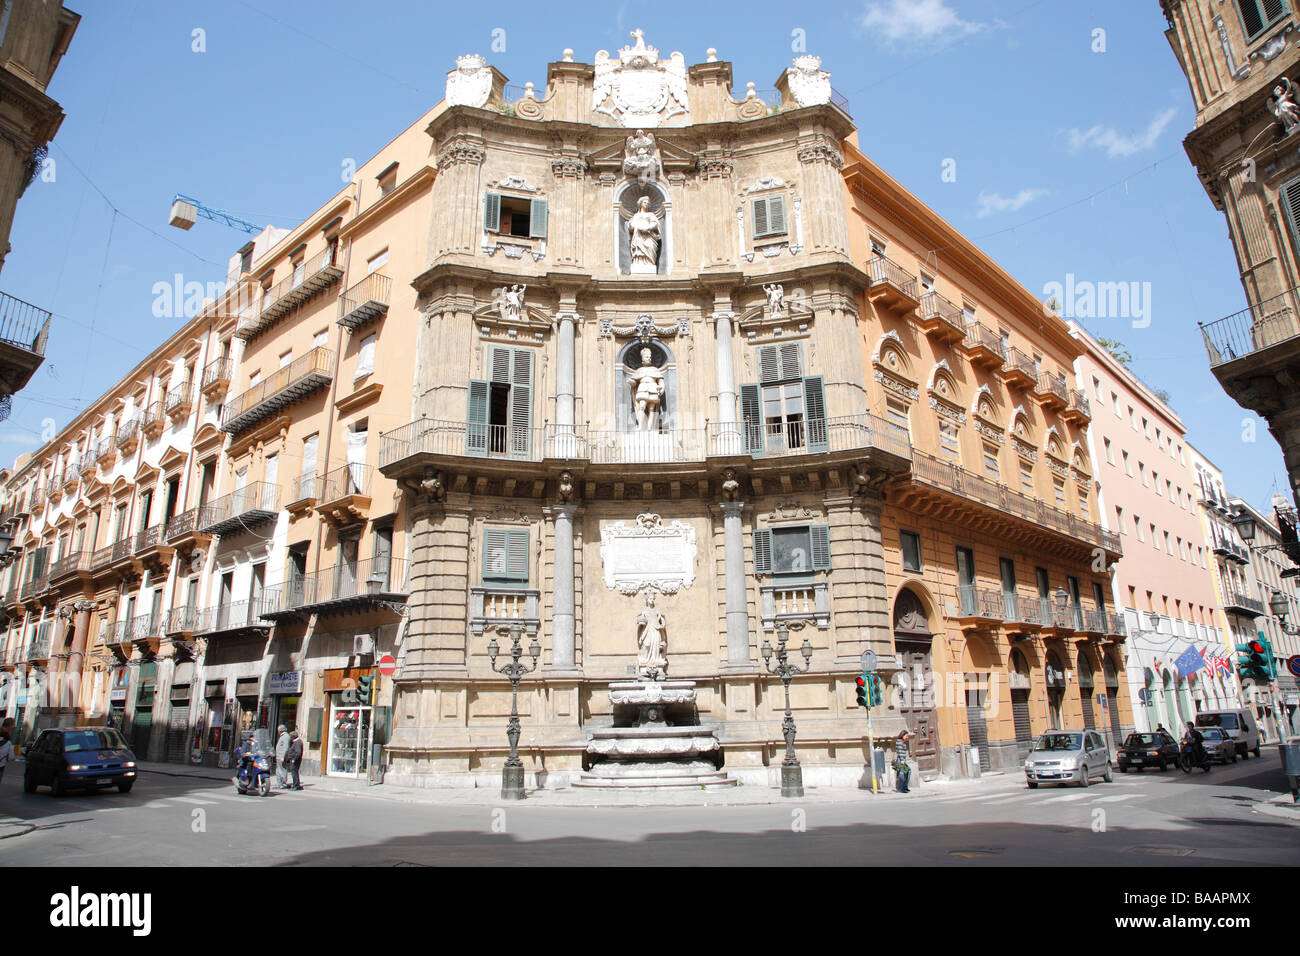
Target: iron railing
[[180, 396], [1269, 322], [126, 431], [218, 370], [180, 619], [929, 470], [935, 306], [975, 601], [254, 502], [457, 438], [148, 538], [366, 300], [637, 447], [842, 433], [187, 522], [107, 446], [23, 325], [309, 277], [349, 479], [286, 385], [1021, 364], [1231, 599], [1051, 384], [70, 564], [236, 616], [101, 557], [885, 271], [1079, 403], [348, 580], [979, 335], [154, 415]]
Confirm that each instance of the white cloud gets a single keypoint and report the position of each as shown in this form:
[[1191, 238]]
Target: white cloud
[[1116, 144], [917, 21], [990, 203]]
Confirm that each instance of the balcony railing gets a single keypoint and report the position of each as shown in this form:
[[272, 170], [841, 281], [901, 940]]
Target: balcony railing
[[806, 602], [889, 275], [242, 509], [182, 619], [1079, 404], [1054, 386], [307, 279], [187, 522], [216, 371], [301, 377], [154, 420], [123, 549], [1256, 327], [346, 584], [452, 438], [350, 479], [106, 450], [502, 607], [180, 399], [102, 557], [1241, 604], [149, 538], [941, 314], [365, 301], [636, 447], [35, 585], [984, 344], [70, 564], [929, 470], [142, 627], [977, 602], [1232, 551], [23, 325], [1019, 369], [238, 616], [39, 650], [126, 433], [843, 433]]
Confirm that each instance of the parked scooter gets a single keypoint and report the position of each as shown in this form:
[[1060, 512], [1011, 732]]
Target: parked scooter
[[253, 771]]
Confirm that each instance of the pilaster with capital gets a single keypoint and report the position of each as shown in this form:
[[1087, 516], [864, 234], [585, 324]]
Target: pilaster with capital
[[456, 221], [820, 159], [565, 228], [715, 167]]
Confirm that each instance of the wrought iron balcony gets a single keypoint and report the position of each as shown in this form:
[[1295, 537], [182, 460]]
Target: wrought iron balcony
[[144, 627], [1054, 390], [182, 620], [308, 278], [503, 607], [1079, 409], [1019, 371], [182, 527], [1235, 603], [106, 451], [782, 603], [892, 285], [859, 432], [300, 378], [637, 447], [154, 421], [941, 318], [236, 617], [78, 562], [1256, 328], [346, 586], [344, 494], [951, 478], [216, 379], [38, 650], [983, 346], [24, 330], [128, 435], [87, 465], [365, 301], [101, 558], [34, 586], [240, 510], [457, 439], [180, 401], [979, 605]]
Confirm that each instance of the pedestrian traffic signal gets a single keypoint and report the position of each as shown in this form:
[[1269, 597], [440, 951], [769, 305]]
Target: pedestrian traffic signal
[[862, 690], [1253, 660], [365, 688]]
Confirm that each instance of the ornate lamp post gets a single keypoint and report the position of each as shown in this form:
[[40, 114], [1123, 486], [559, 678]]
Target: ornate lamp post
[[791, 772], [512, 774]]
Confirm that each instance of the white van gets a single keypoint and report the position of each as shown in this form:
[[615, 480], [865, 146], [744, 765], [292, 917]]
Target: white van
[[1238, 724]]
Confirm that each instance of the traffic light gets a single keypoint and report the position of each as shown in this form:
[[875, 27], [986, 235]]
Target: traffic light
[[1266, 649], [1253, 660], [862, 690], [365, 687], [877, 688]]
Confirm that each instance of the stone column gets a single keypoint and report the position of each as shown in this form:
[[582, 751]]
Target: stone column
[[737, 598], [726, 368], [562, 613], [564, 374]]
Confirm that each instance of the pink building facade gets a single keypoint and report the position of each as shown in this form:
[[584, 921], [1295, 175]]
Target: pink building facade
[[1164, 584]]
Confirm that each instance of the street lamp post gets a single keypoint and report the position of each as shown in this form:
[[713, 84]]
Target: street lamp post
[[512, 774], [791, 771]]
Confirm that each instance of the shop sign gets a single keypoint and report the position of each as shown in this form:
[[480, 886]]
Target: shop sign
[[345, 678], [284, 682], [121, 678]]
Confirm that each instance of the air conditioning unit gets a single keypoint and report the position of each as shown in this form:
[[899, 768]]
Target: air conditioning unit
[[362, 644]]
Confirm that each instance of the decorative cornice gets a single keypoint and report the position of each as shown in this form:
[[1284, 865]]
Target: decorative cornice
[[897, 386], [460, 150], [572, 167]]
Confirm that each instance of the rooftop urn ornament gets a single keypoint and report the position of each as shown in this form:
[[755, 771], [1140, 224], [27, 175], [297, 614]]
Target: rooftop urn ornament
[[1283, 105], [652, 657], [470, 84], [648, 387], [643, 238]]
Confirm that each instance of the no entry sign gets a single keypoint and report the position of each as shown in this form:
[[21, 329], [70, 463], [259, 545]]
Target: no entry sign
[[387, 665]]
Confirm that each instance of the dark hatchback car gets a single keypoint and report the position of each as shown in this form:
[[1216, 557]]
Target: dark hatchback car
[[85, 758], [1147, 750]]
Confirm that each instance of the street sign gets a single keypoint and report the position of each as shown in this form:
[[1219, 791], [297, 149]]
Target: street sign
[[387, 665], [1293, 665], [869, 661], [1101, 700]]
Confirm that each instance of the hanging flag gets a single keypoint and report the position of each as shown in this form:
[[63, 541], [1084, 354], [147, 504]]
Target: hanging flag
[[1189, 662]]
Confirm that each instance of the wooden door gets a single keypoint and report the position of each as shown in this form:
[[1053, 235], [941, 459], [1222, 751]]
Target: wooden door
[[917, 705]]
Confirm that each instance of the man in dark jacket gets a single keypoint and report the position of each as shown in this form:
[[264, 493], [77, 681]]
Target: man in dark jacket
[[293, 759]]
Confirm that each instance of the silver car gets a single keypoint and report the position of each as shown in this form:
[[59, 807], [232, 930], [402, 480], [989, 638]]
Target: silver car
[[1068, 756]]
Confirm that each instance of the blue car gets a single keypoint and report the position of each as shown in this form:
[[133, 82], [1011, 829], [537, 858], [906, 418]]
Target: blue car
[[85, 758]]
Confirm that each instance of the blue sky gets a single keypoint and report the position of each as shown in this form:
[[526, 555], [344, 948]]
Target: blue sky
[[1067, 161]]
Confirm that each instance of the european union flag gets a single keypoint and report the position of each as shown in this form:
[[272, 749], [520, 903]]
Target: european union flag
[[1189, 662]]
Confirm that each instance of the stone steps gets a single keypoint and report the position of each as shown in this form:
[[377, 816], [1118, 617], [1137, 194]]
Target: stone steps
[[594, 780]]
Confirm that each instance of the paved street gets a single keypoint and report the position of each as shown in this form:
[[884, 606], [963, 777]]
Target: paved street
[[1148, 820]]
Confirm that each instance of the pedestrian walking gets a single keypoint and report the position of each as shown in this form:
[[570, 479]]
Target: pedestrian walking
[[294, 758], [902, 769], [281, 752], [6, 751]]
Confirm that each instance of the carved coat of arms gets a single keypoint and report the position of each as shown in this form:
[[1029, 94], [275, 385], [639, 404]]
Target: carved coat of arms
[[809, 83], [637, 88], [470, 84]]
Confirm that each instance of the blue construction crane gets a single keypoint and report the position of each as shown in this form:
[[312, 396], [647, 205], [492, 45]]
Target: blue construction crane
[[187, 209]]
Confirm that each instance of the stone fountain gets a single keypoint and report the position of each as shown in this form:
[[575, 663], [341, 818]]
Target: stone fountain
[[656, 740]]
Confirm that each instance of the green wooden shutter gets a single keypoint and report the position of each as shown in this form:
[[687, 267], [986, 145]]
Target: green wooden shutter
[[495, 554], [537, 219], [521, 403], [501, 362], [517, 557], [776, 215], [492, 212], [821, 547], [760, 218], [751, 411], [769, 364], [476, 418], [814, 403], [762, 552], [1290, 193]]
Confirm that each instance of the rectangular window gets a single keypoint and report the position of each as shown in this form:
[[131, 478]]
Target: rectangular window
[[784, 410], [1128, 467], [1083, 499], [365, 358], [307, 483], [514, 216], [499, 412], [948, 439], [966, 580], [1119, 520], [1027, 479], [769, 217], [792, 550], [387, 180], [321, 339], [896, 412], [911, 547], [376, 262], [991, 468], [1058, 488], [1110, 452], [1258, 15], [505, 558]]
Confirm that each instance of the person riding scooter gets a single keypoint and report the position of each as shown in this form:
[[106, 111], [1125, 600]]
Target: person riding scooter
[[1194, 740]]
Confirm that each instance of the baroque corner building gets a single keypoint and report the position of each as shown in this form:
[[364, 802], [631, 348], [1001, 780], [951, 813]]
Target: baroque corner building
[[638, 381]]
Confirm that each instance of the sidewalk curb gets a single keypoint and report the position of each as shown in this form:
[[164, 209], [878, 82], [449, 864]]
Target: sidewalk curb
[[1280, 808]]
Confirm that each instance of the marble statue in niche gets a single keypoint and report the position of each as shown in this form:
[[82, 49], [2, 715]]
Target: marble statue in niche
[[643, 238], [648, 387]]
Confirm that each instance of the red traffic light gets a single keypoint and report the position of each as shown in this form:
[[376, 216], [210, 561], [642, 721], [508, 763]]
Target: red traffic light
[[1256, 647], [862, 682]]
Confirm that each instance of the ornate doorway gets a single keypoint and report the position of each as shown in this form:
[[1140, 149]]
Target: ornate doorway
[[912, 639]]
